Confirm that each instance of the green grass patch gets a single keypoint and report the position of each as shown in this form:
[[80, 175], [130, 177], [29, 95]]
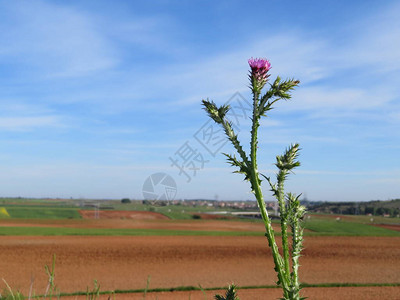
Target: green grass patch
[[175, 215], [197, 288], [314, 227], [324, 226], [320, 229], [359, 218], [56, 231], [42, 212]]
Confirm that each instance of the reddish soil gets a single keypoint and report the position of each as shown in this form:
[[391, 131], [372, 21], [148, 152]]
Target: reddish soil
[[389, 226], [213, 216], [125, 262], [123, 214]]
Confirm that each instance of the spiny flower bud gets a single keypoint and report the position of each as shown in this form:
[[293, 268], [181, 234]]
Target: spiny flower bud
[[259, 69]]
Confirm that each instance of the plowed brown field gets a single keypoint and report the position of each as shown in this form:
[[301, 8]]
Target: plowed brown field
[[171, 261]]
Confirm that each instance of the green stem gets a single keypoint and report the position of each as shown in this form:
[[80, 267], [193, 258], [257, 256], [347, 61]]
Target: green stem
[[255, 184], [296, 242], [233, 138], [283, 212]]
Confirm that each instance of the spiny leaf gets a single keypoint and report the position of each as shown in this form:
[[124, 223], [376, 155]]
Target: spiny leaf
[[287, 161], [223, 110], [278, 90], [215, 113], [274, 188], [229, 295], [243, 168]]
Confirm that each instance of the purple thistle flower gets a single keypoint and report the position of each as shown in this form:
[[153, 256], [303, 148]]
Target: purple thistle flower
[[259, 69], [259, 63]]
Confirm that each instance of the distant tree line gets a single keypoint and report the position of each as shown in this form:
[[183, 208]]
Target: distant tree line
[[126, 200], [390, 208]]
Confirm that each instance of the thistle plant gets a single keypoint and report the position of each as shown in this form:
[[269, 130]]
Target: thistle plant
[[230, 294], [291, 212]]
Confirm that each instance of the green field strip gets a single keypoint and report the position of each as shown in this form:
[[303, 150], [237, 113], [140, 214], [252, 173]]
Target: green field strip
[[323, 227], [67, 231], [71, 231], [198, 288], [35, 212]]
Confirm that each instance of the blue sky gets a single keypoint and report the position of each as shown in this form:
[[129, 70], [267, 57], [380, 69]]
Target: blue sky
[[95, 96]]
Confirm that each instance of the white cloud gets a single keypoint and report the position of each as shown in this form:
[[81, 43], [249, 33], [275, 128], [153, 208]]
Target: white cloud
[[76, 180], [294, 55], [314, 61], [54, 40], [395, 116], [18, 115], [377, 41], [152, 33], [366, 174], [19, 107], [28, 123], [347, 80], [319, 62], [312, 98]]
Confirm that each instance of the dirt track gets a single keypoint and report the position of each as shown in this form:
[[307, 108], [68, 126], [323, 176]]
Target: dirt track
[[390, 226], [125, 262]]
